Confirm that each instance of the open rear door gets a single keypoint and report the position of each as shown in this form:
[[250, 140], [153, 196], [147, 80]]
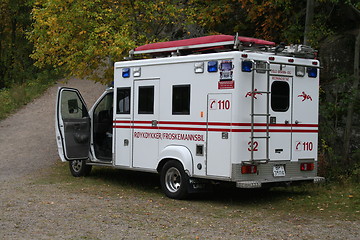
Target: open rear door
[[72, 123]]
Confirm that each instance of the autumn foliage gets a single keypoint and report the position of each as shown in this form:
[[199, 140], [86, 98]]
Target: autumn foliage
[[85, 37]]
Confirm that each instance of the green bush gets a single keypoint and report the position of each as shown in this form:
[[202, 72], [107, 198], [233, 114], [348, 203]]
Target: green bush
[[20, 94]]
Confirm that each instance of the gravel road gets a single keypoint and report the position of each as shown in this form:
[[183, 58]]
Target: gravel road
[[31, 209]]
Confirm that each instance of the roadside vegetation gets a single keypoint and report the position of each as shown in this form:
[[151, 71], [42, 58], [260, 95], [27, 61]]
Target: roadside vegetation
[[16, 96], [20, 80]]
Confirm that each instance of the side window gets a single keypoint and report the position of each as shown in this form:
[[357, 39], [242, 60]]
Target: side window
[[105, 106], [123, 101], [181, 100], [280, 96], [72, 106], [146, 100]]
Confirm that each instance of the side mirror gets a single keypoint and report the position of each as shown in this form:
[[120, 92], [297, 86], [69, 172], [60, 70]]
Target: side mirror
[[73, 106]]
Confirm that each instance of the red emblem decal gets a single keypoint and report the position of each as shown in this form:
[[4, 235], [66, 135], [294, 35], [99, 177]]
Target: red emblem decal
[[253, 94], [305, 96]]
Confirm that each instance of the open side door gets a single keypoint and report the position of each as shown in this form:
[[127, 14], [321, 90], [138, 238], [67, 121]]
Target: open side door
[[72, 123]]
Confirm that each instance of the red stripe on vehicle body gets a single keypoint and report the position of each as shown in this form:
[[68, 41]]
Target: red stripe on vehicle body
[[207, 126], [218, 124]]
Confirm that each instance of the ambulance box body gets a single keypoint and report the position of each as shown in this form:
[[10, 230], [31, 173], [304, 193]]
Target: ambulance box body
[[243, 116]]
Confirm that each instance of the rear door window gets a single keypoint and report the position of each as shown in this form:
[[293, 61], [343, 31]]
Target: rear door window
[[280, 96]]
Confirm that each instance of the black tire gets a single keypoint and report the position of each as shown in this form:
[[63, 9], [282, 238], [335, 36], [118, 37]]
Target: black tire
[[174, 181], [78, 168]]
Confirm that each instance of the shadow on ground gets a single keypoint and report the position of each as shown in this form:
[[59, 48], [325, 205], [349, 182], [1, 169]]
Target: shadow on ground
[[222, 192]]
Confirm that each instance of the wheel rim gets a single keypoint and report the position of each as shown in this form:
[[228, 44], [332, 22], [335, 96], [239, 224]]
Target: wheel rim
[[173, 179], [76, 165]]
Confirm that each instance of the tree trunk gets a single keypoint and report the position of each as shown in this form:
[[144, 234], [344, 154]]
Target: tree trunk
[[354, 92], [309, 20]]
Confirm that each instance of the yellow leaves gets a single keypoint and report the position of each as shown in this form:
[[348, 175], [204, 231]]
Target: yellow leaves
[[76, 35]]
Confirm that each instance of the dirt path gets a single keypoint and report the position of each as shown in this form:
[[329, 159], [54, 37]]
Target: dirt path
[[27, 141], [30, 209]]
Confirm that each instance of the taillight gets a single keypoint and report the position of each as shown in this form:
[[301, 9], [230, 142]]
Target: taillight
[[248, 169], [307, 166]]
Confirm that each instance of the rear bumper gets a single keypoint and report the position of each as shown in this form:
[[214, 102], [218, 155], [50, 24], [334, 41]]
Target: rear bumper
[[265, 174], [259, 184]]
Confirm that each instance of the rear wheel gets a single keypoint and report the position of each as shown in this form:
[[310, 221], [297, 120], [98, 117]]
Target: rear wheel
[[174, 181], [78, 168]]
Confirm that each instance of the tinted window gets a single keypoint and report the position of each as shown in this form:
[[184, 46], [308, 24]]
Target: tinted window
[[280, 96], [146, 100], [123, 101], [106, 104], [72, 106], [181, 100]]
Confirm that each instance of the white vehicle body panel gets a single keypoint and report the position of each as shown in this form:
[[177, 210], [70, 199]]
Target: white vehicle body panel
[[212, 139]]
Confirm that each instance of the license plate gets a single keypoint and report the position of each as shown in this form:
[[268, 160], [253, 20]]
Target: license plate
[[279, 170]]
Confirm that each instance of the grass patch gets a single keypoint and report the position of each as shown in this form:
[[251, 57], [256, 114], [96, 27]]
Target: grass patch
[[19, 95], [333, 200]]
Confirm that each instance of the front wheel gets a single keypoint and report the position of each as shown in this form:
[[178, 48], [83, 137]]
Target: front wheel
[[174, 181], [78, 168]]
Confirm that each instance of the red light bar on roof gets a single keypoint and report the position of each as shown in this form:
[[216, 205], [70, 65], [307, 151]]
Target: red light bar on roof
[[200, 42]]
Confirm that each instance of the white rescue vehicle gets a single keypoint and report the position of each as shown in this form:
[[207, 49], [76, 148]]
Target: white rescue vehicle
[[200, 111]]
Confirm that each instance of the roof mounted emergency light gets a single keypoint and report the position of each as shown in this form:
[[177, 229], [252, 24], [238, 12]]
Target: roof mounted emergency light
[[312, 72], [212, 66], [137, 72], [246, 66], [199, 67], [126, 72], [300, 71], [260, 66]]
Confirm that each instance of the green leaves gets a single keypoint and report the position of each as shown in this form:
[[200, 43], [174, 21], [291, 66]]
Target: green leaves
[[84, 37]]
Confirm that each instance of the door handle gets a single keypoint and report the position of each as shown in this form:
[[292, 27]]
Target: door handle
[[297, 122], [154, 123], [278, 150]]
